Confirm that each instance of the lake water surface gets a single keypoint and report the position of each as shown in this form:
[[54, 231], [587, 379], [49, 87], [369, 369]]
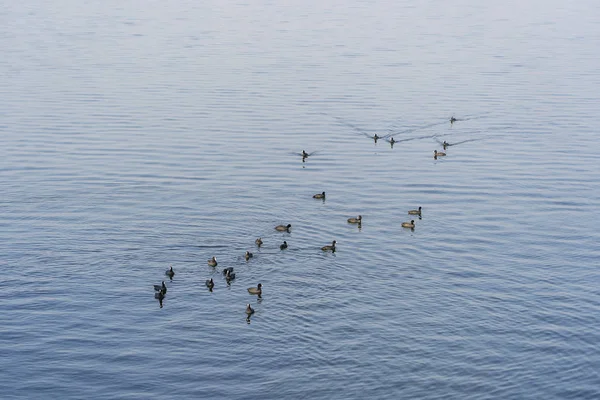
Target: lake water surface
[[134, 136]]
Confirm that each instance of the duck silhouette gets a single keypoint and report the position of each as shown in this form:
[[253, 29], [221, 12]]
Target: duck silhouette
[[229, 276], [256, 290], [210, 284], [355, 220], [329, 247], [161, 288], [410, 224], [283, 228], [415, 212]]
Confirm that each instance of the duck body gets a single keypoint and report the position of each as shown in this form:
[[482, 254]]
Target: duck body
[[248, 255], [170, 273], [357, 220], [213, 262], [319, 196], [330, 247], [258, 242], [256, 290], [210, 284], [159, 295], [161, 288], [230, 276], [249, 309], [283, 228], [283, 245], [437, 154], [227, 270], [415, 212], [410, 224]]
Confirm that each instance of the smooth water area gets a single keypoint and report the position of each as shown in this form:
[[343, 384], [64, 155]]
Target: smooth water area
[[137, 136]]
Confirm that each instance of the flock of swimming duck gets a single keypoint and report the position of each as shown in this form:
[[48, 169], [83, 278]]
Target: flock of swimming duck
[[229, 274], [161, 290]]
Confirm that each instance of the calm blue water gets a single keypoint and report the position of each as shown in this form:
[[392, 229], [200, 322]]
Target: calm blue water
[[137, 136]]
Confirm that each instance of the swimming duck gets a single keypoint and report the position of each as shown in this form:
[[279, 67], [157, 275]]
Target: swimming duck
[[230, 276], [212, 262], [258, 242], [410, 224], [210, 284], [319, 196], [248, 255], [355, 220], [256, 290], [170, 273], [283, 228], [392, 141], [249, 310], [375, 138], [415, 212], [304, 154], [161, 288], [329, 247], [437, 154], [283, 245], [160, 296], [452, 120], [445, 144], [226, 270]]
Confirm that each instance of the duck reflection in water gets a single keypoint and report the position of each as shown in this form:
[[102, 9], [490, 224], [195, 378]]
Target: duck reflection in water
[[249, 312], [160, 296]]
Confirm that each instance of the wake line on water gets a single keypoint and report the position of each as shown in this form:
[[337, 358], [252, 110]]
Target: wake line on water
[[393, 132]]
